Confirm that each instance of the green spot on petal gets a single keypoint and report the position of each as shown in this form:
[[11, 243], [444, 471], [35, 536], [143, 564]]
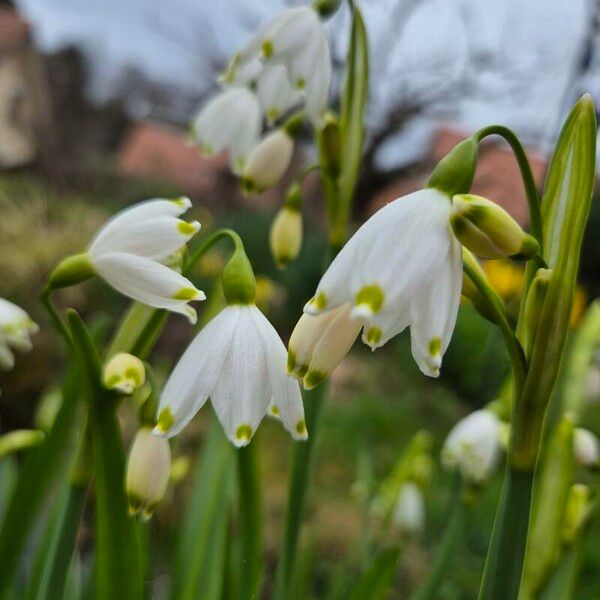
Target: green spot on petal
[[186, 228], [320, 300], [313, 378], [291, 361], [301, 371], [134, 375], [300, 83], [185, 294], [371, 296], [267, 48], [301, 427], [113, 381], [275, 410], [374, 335], [435, 346], [243, 433], [165, 419], [272, 114]]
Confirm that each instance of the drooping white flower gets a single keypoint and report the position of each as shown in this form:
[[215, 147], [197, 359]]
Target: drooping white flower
[[268, 161], [402, 268], [297, 40], [124, 373], [230, 121], [238, 360], [586, 447], [473, 446], [148, 470], [285, 236], [16, 328], [409, 513], [128, 253]]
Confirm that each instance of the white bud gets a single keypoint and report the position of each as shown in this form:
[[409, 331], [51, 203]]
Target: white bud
[[285, 237], [124, 373], [409, 512], [586, 447], [148, 470], [267, 162], [473, 446]]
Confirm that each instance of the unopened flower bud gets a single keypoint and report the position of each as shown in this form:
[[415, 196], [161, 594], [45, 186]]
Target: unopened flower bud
[[285, 237], [71, 271], [469, 289], [268, 161], [239, 283], [409, 512], [454, 173], [488, 230], [330, 145], [148, 471], [586, 448], [576, 511], [533, 307], [124, 373], [473, 446]]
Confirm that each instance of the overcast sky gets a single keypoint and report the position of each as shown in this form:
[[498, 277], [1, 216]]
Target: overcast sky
[[472, 62]]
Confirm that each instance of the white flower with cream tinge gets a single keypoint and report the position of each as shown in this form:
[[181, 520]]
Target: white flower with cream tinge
[[586, 448], [238, 360], [128, 253], [124, 373], [16, 328], [409, 512], [402, 268], [473, 446]]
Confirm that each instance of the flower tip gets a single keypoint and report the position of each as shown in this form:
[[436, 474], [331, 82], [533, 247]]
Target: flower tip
[[312, 379], [300, 432], [361, 311], [183, 201]]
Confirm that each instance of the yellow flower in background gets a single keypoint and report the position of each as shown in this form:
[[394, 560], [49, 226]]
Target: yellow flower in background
[[505, 277], [580, 302]]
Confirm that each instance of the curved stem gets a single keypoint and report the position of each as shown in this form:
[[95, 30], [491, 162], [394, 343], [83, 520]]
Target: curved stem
[[533, 200], [496, 308], [213, 239], [60, 325], [446, 547]]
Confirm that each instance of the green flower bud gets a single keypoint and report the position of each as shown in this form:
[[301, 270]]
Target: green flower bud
[[488, 230], [71, 271], [148, 471], [239, 283], [454, 173], [326, 8], [576, 511], [124, 373], [285, 237], [469, 289], [330, 145], [533, 308]]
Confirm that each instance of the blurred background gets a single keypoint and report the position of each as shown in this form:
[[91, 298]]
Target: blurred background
[[95, 102]]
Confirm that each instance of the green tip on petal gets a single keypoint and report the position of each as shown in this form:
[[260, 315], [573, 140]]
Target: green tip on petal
[[165, 420], [373, 337], [435, 346], [371, 298], [275, 410], [243, 434], [186, 294], [313, 379], [186, 228], [301, 427], [267, 48], [183, 201], [291, 362]]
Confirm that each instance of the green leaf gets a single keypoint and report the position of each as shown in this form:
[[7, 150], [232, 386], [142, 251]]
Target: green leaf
[[376, 581], [45, 464], [200, 556], [55, 552]]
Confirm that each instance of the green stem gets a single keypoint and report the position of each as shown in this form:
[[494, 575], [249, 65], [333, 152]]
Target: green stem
[[506, 553], [446, 547], [533, 200], [250, 521], [496, 308], [302, 459], [60, 325]]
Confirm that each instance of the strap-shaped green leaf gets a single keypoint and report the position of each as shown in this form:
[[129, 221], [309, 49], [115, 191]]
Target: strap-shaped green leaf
[[377, 579]]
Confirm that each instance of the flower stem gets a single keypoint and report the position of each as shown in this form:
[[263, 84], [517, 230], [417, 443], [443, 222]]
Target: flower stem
[[506, 553], [447, 546], [60, 325], [533, 200], [250, 521], [302, 459]]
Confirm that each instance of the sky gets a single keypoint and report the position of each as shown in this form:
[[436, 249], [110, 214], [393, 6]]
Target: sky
[[469, 62]]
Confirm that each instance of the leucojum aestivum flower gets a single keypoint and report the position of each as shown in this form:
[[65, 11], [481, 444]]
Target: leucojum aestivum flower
[[405, 267]]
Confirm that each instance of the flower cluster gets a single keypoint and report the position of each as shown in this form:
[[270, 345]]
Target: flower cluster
[[16, 328], [286, 65]]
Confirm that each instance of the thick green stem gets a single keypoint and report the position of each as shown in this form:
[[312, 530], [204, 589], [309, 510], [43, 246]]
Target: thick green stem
[[446, 547], [506, 553], [533, 201], [250, 521], [302, 459]]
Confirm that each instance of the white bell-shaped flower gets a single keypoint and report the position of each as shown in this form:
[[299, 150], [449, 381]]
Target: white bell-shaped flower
[[402, 267], [238, 360], [586, 448], [16, 328], [297, 40], [230, 121], [275, 94], [129, 250], [473, 446], [409, 512]]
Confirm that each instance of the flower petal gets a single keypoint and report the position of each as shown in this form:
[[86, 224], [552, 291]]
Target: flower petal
[[275, 94], [241, 395], [197, 371], [148, 282]]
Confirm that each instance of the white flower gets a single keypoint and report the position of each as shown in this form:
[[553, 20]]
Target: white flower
[[285, 236], [402, 267], [275, 94], [473, 446], [268, 161], [238, 360], [148, 470], [230, 121], [586, 447], [127, 252], [409, 512], [295, 39], [16, 327], [124, 373]]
